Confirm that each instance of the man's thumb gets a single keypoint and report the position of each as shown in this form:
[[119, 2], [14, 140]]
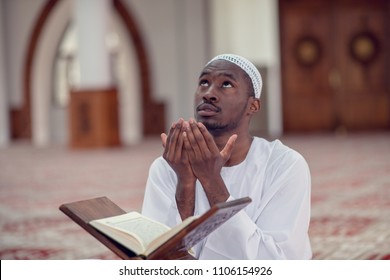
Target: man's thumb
[[163, 139], [228, 149]]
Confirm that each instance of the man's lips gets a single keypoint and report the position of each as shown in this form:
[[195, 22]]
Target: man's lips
[[207, 110]]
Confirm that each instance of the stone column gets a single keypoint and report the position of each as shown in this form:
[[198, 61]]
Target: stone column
[[4, 108]]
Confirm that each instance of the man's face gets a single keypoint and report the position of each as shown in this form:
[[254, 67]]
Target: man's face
[[222, 96]]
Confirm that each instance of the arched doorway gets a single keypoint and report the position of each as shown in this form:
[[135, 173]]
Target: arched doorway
[[152, 113]]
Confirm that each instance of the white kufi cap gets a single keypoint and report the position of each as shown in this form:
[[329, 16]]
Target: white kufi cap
[[247, 66]]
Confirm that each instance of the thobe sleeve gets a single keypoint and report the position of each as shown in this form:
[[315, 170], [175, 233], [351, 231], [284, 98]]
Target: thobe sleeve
[[159, 199], [279, 230]]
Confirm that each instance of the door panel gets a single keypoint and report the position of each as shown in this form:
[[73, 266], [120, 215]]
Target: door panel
[[306, 60], [324, 85], [360, 56]]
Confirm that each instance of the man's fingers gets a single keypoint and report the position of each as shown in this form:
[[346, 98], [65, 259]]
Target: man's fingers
[[193, 136], [209, 140], [170, 148], [187, 145]]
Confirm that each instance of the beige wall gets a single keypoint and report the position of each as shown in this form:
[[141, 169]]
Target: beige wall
[[246, 27]]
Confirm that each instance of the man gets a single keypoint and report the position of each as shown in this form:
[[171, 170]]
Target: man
[[214, 158]]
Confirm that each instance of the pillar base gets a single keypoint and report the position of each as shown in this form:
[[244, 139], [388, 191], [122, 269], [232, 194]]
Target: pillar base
[[94, 121]]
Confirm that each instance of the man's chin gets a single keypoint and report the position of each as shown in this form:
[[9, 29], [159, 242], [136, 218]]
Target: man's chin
[[214, 128], [211, 123]]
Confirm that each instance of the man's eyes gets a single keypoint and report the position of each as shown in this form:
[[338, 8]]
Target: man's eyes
[[205, 83], [227, 84]]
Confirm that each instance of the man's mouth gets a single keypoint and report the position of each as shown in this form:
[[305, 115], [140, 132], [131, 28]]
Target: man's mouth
[[207, 110]]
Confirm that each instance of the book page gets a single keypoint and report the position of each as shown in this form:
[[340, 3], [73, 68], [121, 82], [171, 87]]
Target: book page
[[146, 229], [140, 227], [168, 234]]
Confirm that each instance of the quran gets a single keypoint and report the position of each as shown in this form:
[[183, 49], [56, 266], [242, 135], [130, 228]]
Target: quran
[[135, 235]]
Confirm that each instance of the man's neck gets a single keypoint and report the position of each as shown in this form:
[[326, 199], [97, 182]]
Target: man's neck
[[240, 150]]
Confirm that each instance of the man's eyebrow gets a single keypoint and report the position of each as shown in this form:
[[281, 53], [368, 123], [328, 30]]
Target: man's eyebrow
[[204, 73]]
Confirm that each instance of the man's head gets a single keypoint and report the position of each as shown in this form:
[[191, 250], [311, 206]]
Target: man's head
[[248, 67], [228, 94]]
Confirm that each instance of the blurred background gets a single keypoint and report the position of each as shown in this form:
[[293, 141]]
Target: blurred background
[[87, 86]]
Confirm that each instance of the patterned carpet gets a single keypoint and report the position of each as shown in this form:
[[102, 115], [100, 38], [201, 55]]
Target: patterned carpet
[[350, 195]]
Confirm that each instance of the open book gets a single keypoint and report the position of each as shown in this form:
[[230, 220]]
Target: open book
[[137, 232], [132, 235], [146, 237]]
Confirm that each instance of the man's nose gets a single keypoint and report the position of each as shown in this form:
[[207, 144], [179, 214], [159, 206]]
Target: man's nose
[[210, 95]]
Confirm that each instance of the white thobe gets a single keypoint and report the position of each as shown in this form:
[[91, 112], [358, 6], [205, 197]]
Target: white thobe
[[273, 226]]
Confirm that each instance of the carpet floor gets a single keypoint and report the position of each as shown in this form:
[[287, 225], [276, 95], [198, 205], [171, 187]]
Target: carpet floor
[[350, 195]]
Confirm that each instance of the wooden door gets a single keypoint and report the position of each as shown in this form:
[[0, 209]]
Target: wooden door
[[335, 64]]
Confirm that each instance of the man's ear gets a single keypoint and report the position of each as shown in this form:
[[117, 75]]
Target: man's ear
[[254, 106]]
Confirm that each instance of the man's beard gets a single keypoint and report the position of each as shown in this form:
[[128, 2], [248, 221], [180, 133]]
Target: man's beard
[[218, 128]]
